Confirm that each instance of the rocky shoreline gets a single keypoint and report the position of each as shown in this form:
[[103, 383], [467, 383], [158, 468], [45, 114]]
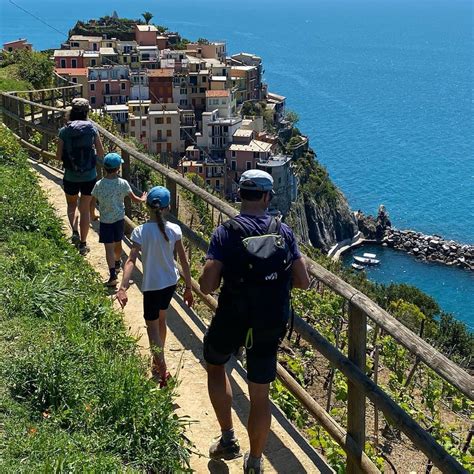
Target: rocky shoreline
[[430, 248]]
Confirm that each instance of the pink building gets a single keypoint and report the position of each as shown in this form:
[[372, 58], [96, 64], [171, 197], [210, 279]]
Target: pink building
[[145, 35], [69, 58], [17, 44], [108, 85]]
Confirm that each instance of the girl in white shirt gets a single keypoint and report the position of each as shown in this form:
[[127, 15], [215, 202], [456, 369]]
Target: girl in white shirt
[[157, 240]]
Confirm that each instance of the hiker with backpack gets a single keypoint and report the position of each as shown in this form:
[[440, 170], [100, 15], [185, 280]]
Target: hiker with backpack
[[257, 259], [110, 192], [78, 148], [157, 240]]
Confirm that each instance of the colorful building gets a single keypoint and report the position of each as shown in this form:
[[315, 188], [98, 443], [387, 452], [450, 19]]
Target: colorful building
[[69, 58], [108, 85], [145, 35], [17, 45], [78, 76], [161, 85]]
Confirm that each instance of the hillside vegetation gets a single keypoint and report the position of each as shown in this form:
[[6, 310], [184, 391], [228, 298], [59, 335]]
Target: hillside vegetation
[[74, 392]]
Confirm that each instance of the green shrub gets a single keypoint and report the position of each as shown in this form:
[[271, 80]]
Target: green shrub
[[74, 392]]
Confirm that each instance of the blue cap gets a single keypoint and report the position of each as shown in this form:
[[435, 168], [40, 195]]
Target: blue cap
[[256, 180], [112, 161], [158, 197]]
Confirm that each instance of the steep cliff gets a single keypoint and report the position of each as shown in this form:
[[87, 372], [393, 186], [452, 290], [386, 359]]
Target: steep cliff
[[327, 216]]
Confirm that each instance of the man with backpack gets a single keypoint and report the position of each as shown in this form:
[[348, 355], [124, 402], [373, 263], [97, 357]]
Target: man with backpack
[[258, 261]]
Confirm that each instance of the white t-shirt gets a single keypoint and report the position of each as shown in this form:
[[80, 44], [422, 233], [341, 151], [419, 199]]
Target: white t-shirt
[[110, 193], [159, 269]]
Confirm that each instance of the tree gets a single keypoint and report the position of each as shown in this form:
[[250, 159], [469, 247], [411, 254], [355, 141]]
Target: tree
[[35, 68], [292, 117], [202, 41], [147, 16]]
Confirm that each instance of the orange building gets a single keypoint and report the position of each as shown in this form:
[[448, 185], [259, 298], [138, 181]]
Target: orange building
[[17, 44]]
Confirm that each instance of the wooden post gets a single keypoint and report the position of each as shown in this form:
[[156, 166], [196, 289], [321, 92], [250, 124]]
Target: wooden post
[[171, 185], [21, 118], [32, 107], [126, 175], [356, 398]]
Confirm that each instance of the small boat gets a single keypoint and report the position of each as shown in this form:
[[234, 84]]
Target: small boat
[[367, 261], [356, 266], [369, 255]]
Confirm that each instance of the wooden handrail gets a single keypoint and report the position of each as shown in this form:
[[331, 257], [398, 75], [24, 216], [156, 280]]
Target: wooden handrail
[[361, 304], [443, 366]]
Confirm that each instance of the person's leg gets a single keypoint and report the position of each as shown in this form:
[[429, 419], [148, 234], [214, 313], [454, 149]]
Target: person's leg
[[162, 328], [85, 217], [220, 393], [72, 214], [259, 419], [117, 254], [93, 210], [156, 346]]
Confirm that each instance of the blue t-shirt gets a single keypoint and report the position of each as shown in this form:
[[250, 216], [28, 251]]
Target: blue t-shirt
[[86, 131], [222, 240]]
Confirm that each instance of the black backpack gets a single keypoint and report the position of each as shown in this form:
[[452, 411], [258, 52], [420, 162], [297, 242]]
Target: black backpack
[[259, 260], [257, 278], [78, 154]]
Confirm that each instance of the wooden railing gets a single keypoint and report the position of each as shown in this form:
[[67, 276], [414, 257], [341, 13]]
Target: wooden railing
[[46, 119]]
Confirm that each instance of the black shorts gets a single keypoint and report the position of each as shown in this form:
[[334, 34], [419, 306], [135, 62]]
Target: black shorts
[[223, 338], [84, 187], [155, 300], [110, 233]]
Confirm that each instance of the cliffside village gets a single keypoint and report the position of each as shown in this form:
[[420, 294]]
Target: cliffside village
[[186, 105]]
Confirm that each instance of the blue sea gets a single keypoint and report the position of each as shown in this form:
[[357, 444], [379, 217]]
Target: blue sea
[[383, 89]]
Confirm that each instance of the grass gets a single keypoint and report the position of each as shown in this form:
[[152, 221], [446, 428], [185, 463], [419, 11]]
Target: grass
[[74, 392]]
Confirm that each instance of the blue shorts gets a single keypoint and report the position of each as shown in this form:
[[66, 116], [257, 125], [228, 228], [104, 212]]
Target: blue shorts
[[110, 233]]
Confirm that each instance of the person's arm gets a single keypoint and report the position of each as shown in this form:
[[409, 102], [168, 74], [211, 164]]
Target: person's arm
[[127, 274], [299, 274], [59, 150], [188, 294], [210, 280], [137, 199], [99, 147]]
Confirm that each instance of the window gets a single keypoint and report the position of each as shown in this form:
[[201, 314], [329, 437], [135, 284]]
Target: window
[[123, 86], [194, 90], [168, 133], [74, 79], [160, 120], [143, 123], [233, 164], [233, 154], [73, 62], [144, 134], [132, 134], [249, 165], [158, 147], [74, 44], [168, 120], [168, 147], [183, 91], [200, 170], [208, 182], [279, 180], [93, 62], [185, 169], [256, 155], [63, 63], [92, 100], [202, 90], [218, 183], [132, 123], [204, 79], [183, 102]]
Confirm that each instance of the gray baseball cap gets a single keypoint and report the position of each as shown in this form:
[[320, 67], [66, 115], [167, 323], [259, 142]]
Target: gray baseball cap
[[80, 104], [256, 180]]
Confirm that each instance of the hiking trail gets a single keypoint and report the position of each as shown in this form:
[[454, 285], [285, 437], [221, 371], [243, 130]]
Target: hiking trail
[[286, 452]]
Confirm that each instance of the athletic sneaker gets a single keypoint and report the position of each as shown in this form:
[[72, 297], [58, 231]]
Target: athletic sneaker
[[84, 249], [220, 451], [252, 470], [111, 282]]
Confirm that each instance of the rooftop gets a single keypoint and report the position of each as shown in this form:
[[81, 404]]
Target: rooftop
[[274, 161], [72, 71], [276, 97], [67, 52], [166, 72], [20, 40], [93, 39], [219, 78], [91, 54], [116, 108], [254, 145], [147, 48], [224, 93], [243, 133], [243, 68], [146, 28], [107, 51]]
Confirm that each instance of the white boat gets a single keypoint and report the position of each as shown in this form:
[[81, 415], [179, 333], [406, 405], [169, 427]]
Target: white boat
[[369, 255], [367, 261], [356, 266]]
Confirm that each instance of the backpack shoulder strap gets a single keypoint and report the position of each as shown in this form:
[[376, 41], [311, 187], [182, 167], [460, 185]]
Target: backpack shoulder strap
[[235, 226], [274, 226]]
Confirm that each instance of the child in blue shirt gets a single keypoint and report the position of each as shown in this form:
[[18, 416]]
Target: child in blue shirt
[[110, 192]]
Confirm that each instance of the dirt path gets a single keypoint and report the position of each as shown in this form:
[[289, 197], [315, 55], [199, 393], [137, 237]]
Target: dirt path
[[287, 451]]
